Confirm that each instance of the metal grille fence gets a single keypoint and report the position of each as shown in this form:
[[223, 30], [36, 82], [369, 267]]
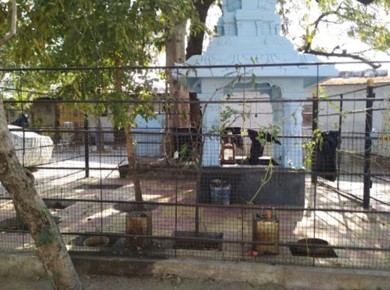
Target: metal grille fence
[[237, 211]]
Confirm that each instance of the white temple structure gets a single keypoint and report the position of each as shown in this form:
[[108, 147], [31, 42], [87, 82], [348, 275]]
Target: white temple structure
[[249, 34]]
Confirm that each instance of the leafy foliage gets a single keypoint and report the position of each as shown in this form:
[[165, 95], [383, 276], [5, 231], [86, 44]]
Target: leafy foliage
[[77, 36], [71, 33], [362, 22]]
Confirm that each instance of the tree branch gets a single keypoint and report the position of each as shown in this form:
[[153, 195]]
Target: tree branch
[[365, 2], [12, 31], [195, 40], [343, 54], [316, 23], [307, 47]]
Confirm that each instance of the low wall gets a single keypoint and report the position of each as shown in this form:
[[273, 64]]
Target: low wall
[[258, 274]]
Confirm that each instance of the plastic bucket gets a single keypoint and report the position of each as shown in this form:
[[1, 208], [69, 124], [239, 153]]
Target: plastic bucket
[[220, 192]]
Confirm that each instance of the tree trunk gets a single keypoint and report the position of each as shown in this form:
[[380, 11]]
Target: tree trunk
[[131, 158], [12, 31], [133, 164], [195, 40], [195, 47], [99, 136], [19, 183], [175, 53]]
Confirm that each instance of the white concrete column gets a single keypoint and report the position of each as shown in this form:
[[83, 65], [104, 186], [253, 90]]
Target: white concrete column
[[277, 119], [292, 126], [277, 115], [211, 144]]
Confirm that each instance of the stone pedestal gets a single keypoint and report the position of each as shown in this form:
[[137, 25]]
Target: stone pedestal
[[138, 224]]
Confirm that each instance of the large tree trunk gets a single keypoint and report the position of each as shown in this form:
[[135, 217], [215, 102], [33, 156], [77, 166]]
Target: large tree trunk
[[185, 109], [19, 182], [195, 47], [175, 53], [195, 40]]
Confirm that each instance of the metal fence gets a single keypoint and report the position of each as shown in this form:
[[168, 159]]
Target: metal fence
[[334, 211]]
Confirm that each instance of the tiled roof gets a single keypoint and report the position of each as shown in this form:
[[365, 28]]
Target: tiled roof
[[354, 81]]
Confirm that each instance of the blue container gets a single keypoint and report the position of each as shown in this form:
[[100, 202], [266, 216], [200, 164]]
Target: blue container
[[220, 192]]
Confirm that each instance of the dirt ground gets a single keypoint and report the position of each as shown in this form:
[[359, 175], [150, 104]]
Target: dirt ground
[[144, 283]]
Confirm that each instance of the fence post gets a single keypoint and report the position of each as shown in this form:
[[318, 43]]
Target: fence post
[[314, 126], [86, 145], [368, 144], [339, 143]]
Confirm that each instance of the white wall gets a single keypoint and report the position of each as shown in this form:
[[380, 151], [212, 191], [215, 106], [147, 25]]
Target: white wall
[[354, 116]]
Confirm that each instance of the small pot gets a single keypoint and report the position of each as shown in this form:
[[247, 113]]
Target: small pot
[[96, 241]]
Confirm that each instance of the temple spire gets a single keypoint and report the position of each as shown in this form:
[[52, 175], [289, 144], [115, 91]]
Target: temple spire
[[249, 18]]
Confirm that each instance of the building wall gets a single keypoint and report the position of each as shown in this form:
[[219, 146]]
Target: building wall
[[55, 116], [354, 115]]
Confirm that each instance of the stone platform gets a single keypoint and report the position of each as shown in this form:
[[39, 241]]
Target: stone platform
[[278, 186]]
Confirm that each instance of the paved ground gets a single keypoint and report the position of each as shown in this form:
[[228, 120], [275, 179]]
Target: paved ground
[[343, 229]]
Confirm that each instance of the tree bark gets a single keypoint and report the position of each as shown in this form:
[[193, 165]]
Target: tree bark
[[133, 164], [195, 40], [99, 136], [175, 53], [12, 31], [19, 183], [131, 158], [195, 47]]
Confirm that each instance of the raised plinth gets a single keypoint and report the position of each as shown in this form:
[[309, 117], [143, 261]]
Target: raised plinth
[[283, 187]]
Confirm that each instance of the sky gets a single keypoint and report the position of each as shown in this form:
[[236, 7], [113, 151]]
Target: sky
[[330, 38]]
